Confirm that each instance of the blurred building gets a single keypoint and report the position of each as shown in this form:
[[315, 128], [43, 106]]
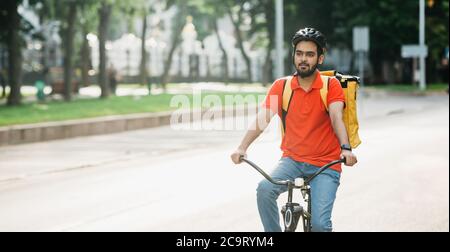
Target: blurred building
[[193, 60]]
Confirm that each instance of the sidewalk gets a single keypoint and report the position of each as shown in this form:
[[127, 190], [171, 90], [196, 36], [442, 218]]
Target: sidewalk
[[20, 134]]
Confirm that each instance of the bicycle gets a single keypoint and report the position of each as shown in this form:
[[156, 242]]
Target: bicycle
[[293, 211]]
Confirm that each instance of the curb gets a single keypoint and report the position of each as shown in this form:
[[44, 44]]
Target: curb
[[40, 132]]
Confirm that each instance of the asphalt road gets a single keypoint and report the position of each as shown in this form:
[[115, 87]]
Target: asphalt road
[[182, 180]]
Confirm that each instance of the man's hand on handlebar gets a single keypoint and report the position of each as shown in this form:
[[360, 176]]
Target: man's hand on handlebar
[[237, 155], [350, 158]]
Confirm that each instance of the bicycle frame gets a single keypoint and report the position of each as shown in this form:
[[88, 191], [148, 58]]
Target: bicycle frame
[[293, 211]]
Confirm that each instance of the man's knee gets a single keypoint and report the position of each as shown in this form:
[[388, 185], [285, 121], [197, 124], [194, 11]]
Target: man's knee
[[265, 189]]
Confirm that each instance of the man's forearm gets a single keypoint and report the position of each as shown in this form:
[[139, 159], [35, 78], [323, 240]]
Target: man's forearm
[[249, 138], [259, 125], [340, 131]]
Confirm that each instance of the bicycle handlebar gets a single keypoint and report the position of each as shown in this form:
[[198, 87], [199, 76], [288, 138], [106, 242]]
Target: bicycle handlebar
[[286, 182], [267, 176], [323, 168]]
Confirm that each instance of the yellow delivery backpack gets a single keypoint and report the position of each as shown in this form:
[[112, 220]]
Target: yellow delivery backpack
[[350, 85]]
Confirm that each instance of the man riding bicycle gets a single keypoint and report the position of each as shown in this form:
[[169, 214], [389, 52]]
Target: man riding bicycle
[[312, 137]]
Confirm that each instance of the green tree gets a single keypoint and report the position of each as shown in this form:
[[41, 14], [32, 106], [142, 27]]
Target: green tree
[[393, 24], [269, 12], [436, 36], [236, 10], [88, 21], [262, 17], [104, 13], [72, 15], [12, 29], [303, 13], [11, 26], [68, 38], [207, 13], [67, 13], [389, 29], [13, 42], [106, 9], [177, 28], [143, 11]]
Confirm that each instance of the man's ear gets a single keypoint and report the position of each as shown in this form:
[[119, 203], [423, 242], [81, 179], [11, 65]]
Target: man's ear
[[321, 59]]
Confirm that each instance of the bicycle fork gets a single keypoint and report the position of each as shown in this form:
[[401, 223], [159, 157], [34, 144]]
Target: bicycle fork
[[307, 227], [291, 212]]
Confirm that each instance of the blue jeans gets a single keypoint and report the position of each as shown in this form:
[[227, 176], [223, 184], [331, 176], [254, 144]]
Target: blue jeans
[[323, 194]]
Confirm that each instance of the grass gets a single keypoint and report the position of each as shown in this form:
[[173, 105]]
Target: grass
[[411, 88], [89, 108]]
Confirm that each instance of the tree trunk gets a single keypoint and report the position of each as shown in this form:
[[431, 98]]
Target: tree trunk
[[267, 67], [176, 39], [3, 83], [270, 26], [208, 70], [104, 12], [144, 52], [14, 53], [85, 59], [3, 80], [237, 24], [224, 53], [68, 51], [167, 65]]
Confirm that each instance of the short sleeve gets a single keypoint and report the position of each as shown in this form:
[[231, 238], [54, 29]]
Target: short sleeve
[[274, 97], [335, 92]]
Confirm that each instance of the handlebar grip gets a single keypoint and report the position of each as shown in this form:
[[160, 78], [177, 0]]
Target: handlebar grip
[[344, 160]]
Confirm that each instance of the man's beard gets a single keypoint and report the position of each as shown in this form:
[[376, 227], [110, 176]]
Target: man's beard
[[308, 73]]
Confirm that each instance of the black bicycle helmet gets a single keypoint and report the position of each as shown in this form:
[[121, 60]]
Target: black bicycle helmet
[[310, 34]]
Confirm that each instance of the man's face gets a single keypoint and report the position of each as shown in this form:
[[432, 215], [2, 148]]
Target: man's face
[[306, 58]]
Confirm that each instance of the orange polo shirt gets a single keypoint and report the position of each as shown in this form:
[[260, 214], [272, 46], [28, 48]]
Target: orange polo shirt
[[309, 135]]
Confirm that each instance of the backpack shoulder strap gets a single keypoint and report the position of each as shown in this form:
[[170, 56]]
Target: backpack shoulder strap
[[324, 90], [287, 94], [286, 100]]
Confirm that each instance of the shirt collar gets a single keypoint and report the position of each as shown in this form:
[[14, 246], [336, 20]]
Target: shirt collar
[[317, 83]]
